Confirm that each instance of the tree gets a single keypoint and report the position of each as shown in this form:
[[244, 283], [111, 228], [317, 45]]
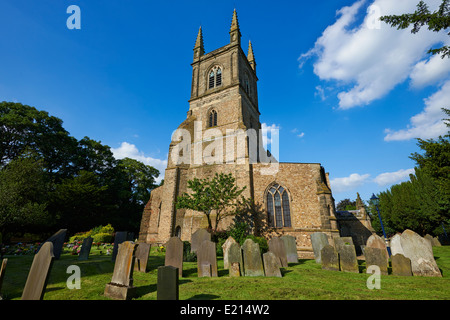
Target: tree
[[436, 21], [345, 205], [218, 195], [23, 196]]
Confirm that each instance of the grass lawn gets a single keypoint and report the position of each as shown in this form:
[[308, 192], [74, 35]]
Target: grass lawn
[[305, 280]]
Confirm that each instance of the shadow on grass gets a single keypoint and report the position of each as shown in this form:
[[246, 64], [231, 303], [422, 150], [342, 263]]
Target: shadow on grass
[[204, 297]]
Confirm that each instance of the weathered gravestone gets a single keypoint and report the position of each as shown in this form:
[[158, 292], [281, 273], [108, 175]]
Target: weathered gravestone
[[395, 245], [420, 252], [291, 248], [347, 258], [225, 249], [206, 255], [174, 254], [198, 237], [167, 284], [234, 270], [121, 285], [85, 248], [40, 269], [58, 242], [433, 240], [276, 245], [401, 266], [329, 258], [235, 257], [376, 241], [318, 241], [119, 238], [2, 275], [251, 257], [377, 257], [141, 257], [272, 265]]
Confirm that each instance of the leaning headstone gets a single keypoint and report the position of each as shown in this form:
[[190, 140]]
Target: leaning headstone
[[318, 241], [85, 248], [401, 266], [225, 249], [37, 277], [206, 254], [272, 265], [121, 285], [329, 258], [141, 257], [339, 242], [119, 238], [2, 275], [291, 248], [395, 245], [377, 257], [174, 254], [375, 241], [167, 283], [198, 237], [347, 258], [251, 257], [419, 251], [276, 245], [235, 257], [58, 242]]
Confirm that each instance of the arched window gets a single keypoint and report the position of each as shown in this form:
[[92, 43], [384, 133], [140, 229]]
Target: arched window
[[278, 207], [212, 121], [215, 77]]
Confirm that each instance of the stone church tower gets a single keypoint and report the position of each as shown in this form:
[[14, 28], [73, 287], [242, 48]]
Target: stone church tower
[[223, 107]]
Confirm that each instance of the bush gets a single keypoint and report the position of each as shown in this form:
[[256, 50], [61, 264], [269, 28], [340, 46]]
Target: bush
[[263, 245], [103, 237], [188, 256], [79, 236]]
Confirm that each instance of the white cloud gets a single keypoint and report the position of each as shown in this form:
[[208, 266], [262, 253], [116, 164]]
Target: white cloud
[[128, 150], [430, 71], [370, 61], [301, 135], [348, 183], [388, 178], [427, 124]]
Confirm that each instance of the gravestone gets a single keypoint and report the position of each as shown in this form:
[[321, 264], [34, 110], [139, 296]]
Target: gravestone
[[38, 275], [141, 257], [339, 242], [174, 254], [435, 242], [272, 265], [235, 257], [251, 257], [329, 258], [206, 254], [401, 266], [291, 248], [2, 274], [234, 269], [377, 257], [167, 283], [395, 245], [420, 252], [58, 242], [121, 285], [375, 241], [85, 248], [225, 248], [205, 270], [347, 258], [198, 237], [119, 238], [276, 245], [318, 241]]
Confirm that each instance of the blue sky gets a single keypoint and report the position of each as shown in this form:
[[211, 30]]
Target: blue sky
[[343, 90]]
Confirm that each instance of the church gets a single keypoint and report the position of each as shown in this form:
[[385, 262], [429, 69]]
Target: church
[[296, 198]]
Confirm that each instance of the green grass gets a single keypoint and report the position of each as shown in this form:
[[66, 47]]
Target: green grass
[[305, 280]]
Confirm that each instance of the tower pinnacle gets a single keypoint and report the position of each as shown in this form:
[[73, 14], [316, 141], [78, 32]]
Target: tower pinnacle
[[235, 33], [251, 56], [199, 48]]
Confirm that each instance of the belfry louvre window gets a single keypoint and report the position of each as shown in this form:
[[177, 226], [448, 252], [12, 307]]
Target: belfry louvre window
[[278, 207], [212, 118], [215, 78]]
